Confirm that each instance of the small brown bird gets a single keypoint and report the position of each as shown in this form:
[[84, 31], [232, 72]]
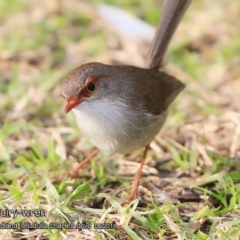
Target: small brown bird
[[122, 108]]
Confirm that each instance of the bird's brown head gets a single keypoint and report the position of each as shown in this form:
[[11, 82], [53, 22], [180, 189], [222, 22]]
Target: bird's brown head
[[81, 84]]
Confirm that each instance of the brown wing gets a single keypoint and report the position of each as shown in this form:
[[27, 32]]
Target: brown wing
[[152, 89]]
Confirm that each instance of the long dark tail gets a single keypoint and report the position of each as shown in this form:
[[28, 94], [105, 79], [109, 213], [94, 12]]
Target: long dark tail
[[173, 11]]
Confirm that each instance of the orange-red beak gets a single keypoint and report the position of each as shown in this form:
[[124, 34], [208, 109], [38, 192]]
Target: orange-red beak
[[72, 103]]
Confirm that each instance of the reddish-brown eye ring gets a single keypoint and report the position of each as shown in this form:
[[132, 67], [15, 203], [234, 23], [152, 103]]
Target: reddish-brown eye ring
[[91, 86]]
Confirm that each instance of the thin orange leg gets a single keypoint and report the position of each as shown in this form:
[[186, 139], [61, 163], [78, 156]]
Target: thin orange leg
[[81, 165], [137, 178]]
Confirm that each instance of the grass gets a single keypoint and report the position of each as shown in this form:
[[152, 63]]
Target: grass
[[190, 188]]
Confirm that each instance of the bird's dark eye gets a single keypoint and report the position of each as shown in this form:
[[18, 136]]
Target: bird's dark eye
[[91, 86]]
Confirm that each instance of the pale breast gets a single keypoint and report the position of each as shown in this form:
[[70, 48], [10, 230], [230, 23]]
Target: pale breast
[[113, 127]]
